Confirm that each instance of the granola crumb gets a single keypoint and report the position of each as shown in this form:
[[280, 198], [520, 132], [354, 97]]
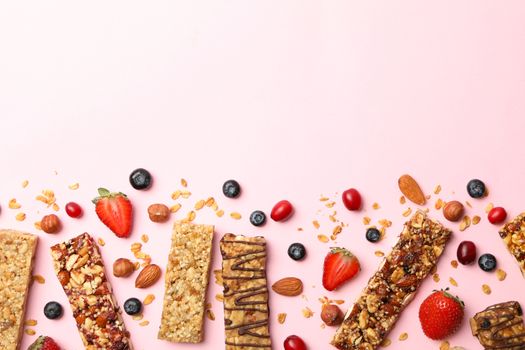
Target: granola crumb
[[138, 317], [144, 323], [435, 277], [386, 342], [101, 242], [402, 200], [236, 215], [489, 207], [486, 289], [210, 315], [144, 238], [445, 345], [219, 213], [281, 318], [375, 206], [453, 282], [25, 183], [175, 208], [379, 253], [13, 204], [191, 216], [404, 336], [200, 204], [454, 264], [501, 274], [307, 312], [148, 299], [38, 225], [20, 216], [183, 183], [175, 195], [366, 220], [30, 322], [39, 279], [322, 238], [407, 212], [30, 331], [439, 204], [437, 189], [219, 297], [330, 204], [476, 219], [74, 186], [316, 224]]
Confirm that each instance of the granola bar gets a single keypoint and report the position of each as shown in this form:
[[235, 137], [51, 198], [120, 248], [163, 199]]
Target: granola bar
[[246, 311], [500, 326], [187, 277], [394, 285], [80, 270], [17, 253], [513, 234]]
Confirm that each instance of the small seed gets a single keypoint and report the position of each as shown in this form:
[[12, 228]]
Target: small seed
[[379, 253], [500, 274], [20, 216], [39, 278], [281, 318], [235, 215], [148, 299], [453, 282], [175, 208], [29, 331], [404, 336], [486, 289], [30, 322], [144, 323], [200, 204], [74, 186], [323, 238], [210, 315]]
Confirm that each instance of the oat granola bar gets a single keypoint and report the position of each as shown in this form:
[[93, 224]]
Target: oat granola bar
[[187, 277], [394, 285], [513, 234], [80, 270], [17, 253], [246, 311], [500, 326]]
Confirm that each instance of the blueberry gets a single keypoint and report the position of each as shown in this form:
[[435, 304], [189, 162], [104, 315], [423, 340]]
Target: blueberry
[[53, 310], [476, 188], [373, 235], [257, 218], [487, 262], [297, 251], [132, 306], [485, 323], [231, 189], [140, 179]]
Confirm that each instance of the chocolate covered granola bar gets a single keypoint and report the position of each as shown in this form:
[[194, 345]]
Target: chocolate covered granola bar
[[246, 312], [17, 253], [187, 277], [513, 234], [500, 326], [394, 285], [80, 271]]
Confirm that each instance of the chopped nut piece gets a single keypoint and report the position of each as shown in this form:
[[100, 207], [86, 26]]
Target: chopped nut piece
[[30, 331], [316, 224], [144, 323], [476, 219], [454, 264], [404, 336], [219, 213], [235, 215], [307, 312], [453, 282], [323, 238], [375, 206], [501, 275], [402, 200], [407, 212], [379, 253], [13, 204], [183, 183], [25, 183], [148, 299], [437, 189], [281, 318], [39, 279], [210, 315], [20, 216], [74, 186], [366, 220]]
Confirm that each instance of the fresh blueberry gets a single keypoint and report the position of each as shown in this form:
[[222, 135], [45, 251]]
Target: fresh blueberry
[[297, 251], [132, 306], [487, 262], [53, 310], [140, 179], [476, 188], [485, 323], [257, 218], [373, 235], [231, 189]]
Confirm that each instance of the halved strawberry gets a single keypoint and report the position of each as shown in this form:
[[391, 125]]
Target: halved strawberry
[[340, 265], [44, 343], [115, 211]]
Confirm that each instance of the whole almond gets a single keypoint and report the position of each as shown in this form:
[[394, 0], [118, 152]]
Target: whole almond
[[123, 267], [411, 189], [50, 224], [148, 276], [453, 210], [289, 286]]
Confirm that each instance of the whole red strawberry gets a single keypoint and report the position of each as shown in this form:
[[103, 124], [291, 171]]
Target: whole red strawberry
[[441, 314], [115, 211], [44, 343], [340, 265]]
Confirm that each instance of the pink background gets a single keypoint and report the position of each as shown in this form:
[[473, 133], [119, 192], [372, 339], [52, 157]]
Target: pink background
[[294, 99]]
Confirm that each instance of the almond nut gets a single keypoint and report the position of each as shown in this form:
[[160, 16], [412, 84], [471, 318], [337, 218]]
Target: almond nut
[[411, 189], [148, 276], [289, 286], [123, 267], [453, 210], [50, 224]]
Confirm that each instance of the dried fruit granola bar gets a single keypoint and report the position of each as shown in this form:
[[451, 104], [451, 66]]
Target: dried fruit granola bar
[[80, 270], [513, 234], [187, 278], [394, 285], [17, 252], [246, 312]]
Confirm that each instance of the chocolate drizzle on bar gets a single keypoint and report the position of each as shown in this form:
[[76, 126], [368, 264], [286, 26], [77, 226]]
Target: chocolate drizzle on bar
[[246, 309], [500, 326]]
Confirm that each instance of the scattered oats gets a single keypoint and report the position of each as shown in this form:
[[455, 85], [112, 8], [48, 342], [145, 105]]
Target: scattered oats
[[183, 183], [138, 317], [379, 253], [332, 218], [501, 275], [324, 199], [489, 207], [407, 212], [330, 204], [191, 216], [144, 323], [210, 315], [175, 195], [281, 318], [404, 336], [486, 289], [136, 247], [101, 242], [20, 216], [210, 201], [200, 204], [39, 279], [322, 238], [235, 215], [307, 312], [402, 200], [323, 326], [453, 282], [38, 226], [219, 297], [468, 204], [30, 322], [435, 277], [25, 183], [47, 197], [56, 207], [136, 265], [149, 299], [219, 213], [465, 223], [437, 189], [385, 223], [439, 204], [13, 204], [316, 224], [185, 194], [445, 345], [375, 206], [144, 238], [337, 230], [454, 264], [218, 276], [175, 208], [29, 331], [74, 186], [386, 342], [476, 219], [366, 220], [339, 301]]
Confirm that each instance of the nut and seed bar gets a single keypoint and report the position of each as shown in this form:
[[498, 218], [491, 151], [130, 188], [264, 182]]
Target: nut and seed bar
[[500, 326], [17, 252], [80, 270], [513, 234], [246, 311], [394, 285], [187, 278]]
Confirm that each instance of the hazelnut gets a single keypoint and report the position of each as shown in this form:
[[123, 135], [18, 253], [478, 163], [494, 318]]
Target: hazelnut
[[50, 223], [123, 267], [331, 315], [453, 210], [158, 212]]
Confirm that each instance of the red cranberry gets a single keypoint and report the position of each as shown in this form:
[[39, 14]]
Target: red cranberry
[[497, 215], [73, 209], [352, 199], [293, 342], [282, 211], [466, 252]]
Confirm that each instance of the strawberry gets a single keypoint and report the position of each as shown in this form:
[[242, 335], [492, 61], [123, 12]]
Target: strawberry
[[44, 343], [441, 314], [340, 265], [115, 211]]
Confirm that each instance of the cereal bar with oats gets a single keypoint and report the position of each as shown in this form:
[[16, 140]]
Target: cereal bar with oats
[[187, 278], [513, 235], [394, 285], [80, 270], [17, 253], [246, 312]]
